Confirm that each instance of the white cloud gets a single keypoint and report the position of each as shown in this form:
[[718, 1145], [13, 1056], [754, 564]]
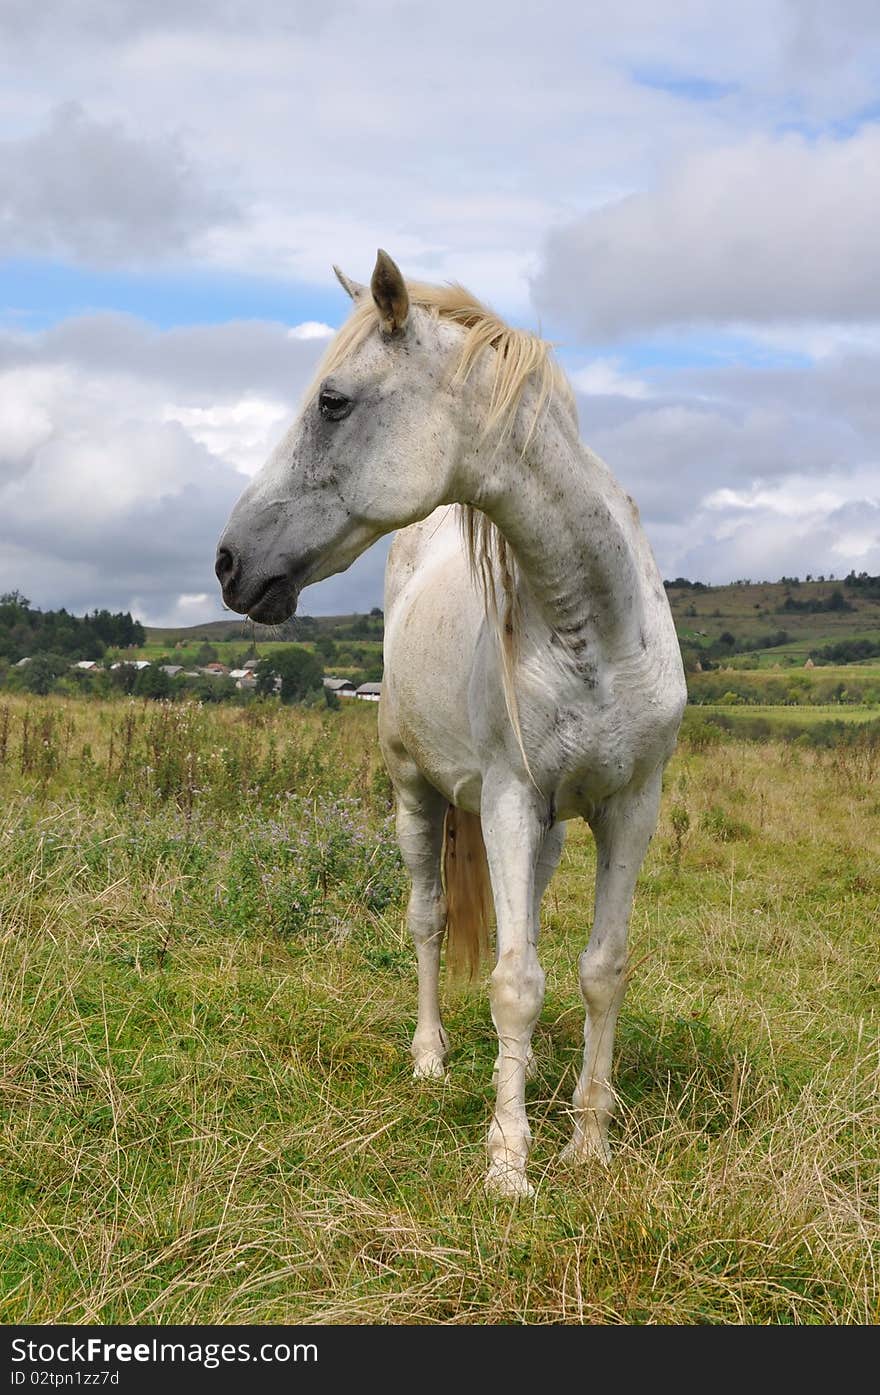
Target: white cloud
[[750, 472], [764, 231], [89, 190], [602, 377], [311, 329], [815, 339], [763, 546], [114, 493], [242, 432], [796, 497]]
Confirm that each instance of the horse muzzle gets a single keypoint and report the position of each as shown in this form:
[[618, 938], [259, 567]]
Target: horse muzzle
[[268, 600]]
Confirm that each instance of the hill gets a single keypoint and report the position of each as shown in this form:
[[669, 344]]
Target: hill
[[763, 624], [747, 624], [301, 628]]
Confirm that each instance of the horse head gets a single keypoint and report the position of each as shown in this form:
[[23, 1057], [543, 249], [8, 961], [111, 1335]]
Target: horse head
[[373, 448]]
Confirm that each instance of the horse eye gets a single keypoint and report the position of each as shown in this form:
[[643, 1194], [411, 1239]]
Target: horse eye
[[332, 405]]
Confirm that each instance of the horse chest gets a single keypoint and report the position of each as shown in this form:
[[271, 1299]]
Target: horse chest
[[587, 749]]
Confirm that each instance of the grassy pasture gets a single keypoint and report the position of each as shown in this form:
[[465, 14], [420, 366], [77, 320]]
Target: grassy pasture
[[207, 998], [812, 641], [835, 686], [801, 716]]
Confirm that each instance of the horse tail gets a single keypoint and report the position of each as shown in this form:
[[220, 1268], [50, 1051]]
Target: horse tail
[[468, 892]]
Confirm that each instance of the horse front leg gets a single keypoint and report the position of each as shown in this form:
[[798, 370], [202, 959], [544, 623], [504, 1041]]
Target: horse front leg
[[622, 828], [513, 831], [548, 860], [420, 814]]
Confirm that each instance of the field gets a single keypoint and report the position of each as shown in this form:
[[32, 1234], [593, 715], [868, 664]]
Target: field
[[751, 609], [208, 993], [803, 717]]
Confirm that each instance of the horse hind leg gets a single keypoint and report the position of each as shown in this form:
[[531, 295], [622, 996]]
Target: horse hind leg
[[622, 830], [420, 814]]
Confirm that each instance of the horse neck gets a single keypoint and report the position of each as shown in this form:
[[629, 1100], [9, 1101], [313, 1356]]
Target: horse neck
[[573, 532]]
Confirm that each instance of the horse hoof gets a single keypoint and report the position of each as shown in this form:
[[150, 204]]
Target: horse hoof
[[431, 1067], [581, 1151], [505, 1181]]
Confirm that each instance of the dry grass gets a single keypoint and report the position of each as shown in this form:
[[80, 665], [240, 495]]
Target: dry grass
[[206, 1102]]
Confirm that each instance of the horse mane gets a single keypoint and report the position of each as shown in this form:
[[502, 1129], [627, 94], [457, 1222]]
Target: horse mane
[[520, 358]]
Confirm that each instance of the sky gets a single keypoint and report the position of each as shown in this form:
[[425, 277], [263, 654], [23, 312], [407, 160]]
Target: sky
[[681, 194]]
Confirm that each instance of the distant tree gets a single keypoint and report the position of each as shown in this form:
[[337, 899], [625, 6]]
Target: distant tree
[[681, 583], [25, 632], [124, 677], [300, 671], [43, 671], [119, 630], [152, 682], [266, 675], [868, 585], [325, 645], [206, 653]]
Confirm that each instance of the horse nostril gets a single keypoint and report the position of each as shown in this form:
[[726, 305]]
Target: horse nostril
[[227, 567]]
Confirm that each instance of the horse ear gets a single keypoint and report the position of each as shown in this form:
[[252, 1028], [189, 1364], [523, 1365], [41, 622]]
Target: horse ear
[[352, 288], [389, 293]]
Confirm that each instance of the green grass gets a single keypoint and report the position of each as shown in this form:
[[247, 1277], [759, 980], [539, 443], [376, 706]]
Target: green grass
[[811, 643], [208, 994], [800, 716], [836, 686]]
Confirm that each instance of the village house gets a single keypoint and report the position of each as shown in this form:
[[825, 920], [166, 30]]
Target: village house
[[342, 687], [369, 692]]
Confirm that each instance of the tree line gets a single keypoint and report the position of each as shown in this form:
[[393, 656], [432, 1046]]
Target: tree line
[[26, 631]]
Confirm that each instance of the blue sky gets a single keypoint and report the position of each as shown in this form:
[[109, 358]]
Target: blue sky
[[683, 197], [36, 294]]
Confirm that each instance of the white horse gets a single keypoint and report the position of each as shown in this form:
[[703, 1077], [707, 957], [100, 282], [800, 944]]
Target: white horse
[[532, 670]]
